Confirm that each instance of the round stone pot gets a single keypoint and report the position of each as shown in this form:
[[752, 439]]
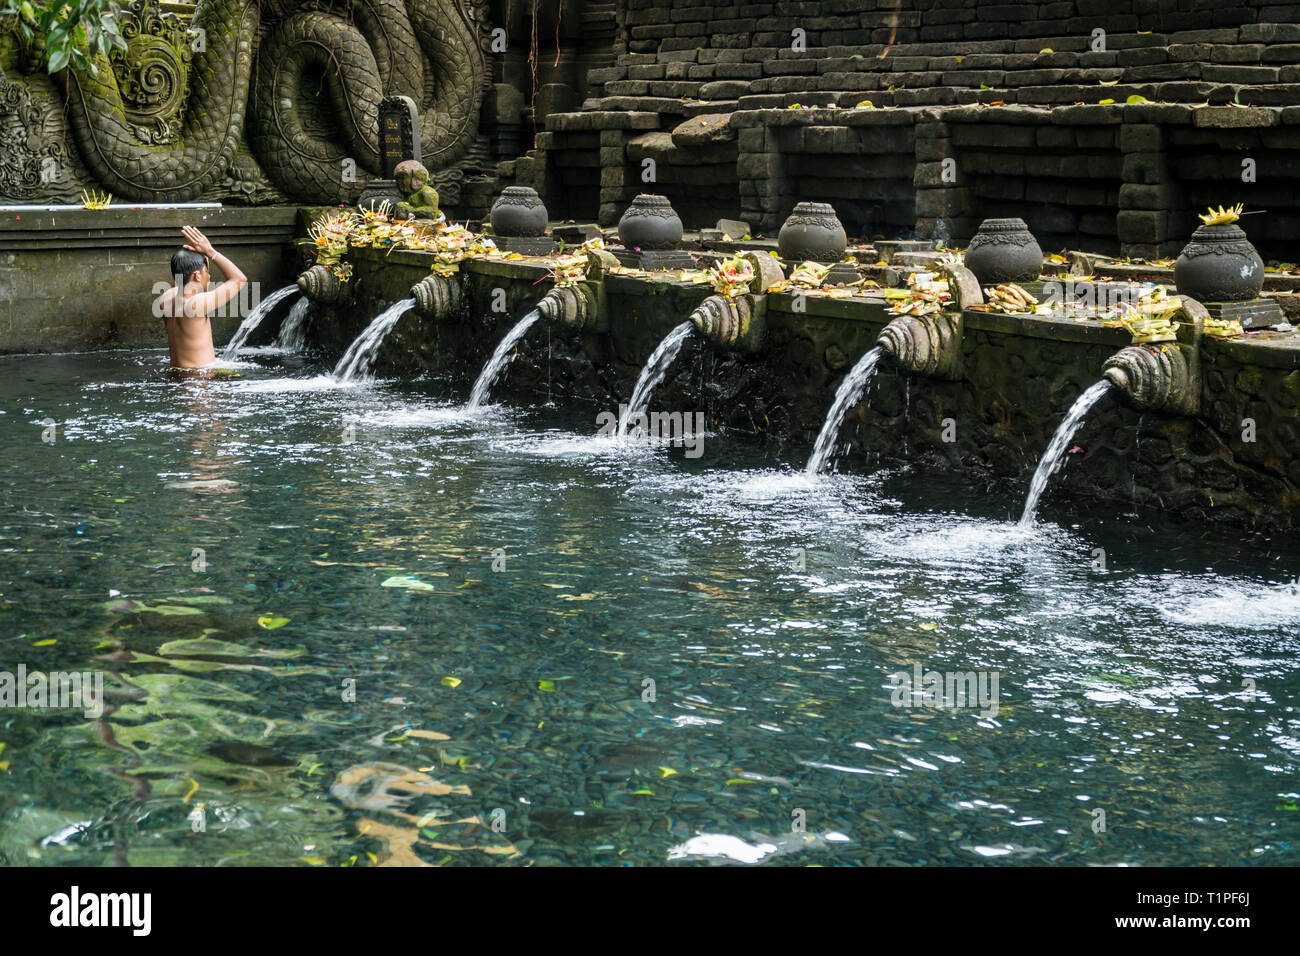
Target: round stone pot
[[518, 213], [1219, 265], [814, 232], [1004, 250], [650, 223]]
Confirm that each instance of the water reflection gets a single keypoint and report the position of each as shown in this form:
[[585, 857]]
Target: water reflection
[[403, 626]]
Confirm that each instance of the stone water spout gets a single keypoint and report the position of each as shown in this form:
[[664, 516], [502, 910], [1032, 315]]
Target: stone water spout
[[1163, 376], [734, 324], [437, 296], [738, 323], [930, 345], [581, 307], [320, 284]]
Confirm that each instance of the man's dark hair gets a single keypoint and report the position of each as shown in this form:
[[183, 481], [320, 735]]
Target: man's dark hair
[[186, 262]]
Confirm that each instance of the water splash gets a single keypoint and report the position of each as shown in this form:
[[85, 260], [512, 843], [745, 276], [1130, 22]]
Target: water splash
[[360, 356], [255, 318], [498, 360], [849, 393], [1050, 463], [656, 367], [293, 332]]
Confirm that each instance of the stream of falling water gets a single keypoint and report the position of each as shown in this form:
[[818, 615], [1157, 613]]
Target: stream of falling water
[[360, 356], [850, 392], [497, 362], [656, 367], [254, 319], [293, 333], [1055, 454]]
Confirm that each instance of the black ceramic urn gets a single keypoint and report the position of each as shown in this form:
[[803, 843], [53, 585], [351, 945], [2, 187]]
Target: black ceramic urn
[[518, 213], [1004, 250], [650, 223]]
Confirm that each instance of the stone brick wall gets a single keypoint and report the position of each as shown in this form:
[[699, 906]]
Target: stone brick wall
[[1109, 143], [652, 26]]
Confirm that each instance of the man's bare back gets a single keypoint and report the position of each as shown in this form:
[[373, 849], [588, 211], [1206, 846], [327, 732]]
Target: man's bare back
[[185, 306]]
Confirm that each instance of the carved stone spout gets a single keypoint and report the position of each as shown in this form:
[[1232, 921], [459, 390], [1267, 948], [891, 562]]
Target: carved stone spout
[[581, 307], [1155, 378], [925, 344], [320, 284], [736, 324], [931, 344], [1163, 377], [575, 307], [436, 296]]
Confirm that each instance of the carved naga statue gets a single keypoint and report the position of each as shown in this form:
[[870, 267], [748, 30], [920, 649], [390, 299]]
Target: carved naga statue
[[298, 81]]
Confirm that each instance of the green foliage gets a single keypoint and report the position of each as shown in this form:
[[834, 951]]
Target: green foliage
[[71, 31]]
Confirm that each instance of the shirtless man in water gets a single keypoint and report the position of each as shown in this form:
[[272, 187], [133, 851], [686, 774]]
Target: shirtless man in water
[[185, 307]]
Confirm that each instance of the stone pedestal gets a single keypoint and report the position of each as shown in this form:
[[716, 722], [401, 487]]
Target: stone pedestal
[[841, 273], [526, 245], [378, 191], [654, 260], [1252, 314]]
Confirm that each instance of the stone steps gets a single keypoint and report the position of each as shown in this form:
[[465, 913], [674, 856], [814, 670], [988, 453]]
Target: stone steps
[[658, 25], [1062, 70], [838, 93]]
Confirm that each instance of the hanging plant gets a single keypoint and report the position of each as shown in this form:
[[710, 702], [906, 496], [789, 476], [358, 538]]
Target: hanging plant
[[73, 32]]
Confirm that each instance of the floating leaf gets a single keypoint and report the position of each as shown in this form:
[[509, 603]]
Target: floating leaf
[[547, 685], [45, 643], [207, 647], [214, 484], [430, 734], [408, 581], [451, 682], [271, 623], [139, 607]]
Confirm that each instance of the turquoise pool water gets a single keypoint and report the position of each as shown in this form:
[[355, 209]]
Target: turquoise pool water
[[496, 589]]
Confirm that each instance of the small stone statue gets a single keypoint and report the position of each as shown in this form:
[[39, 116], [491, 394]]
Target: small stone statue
[[421, 200]]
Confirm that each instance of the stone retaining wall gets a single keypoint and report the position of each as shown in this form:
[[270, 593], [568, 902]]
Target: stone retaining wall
[[1021, 375], [84, 279]]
